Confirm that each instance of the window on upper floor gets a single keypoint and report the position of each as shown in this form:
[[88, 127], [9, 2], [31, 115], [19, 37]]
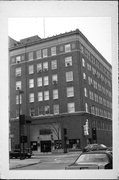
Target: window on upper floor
[[54, 64], [55, 93], [45, 66], [18, 71], [18, 85], [68, 61], [18, 59], [40, 96], [90, 81], [39, 81], [39, 68], [31, 69], [30, 56], [53, 51], [31, 97], [17, 99], [38, 54], [69, 76], [67, 48], [56, 108], [31, 83], [83, 62], [54, 79], [86, 107], [70, 91], [91, 95], [85, 92], [71, 107], [46, 80], [40, 110], [89, 67], [84, 76], [45, 53], [46, 95], [32, 111], [47, 109]]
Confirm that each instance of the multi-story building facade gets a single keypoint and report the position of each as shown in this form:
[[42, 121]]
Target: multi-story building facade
[[65, 82]]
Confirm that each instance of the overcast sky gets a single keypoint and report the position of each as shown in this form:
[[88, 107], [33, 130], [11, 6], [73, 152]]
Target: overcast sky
[[96, 29]]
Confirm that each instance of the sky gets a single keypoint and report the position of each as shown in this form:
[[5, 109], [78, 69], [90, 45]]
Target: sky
[[96, 29]]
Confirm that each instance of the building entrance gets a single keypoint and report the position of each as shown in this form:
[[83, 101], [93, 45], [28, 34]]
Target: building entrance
[[45, 146]]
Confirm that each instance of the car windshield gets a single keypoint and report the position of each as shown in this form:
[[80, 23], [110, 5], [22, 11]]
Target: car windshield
[[92, 158]]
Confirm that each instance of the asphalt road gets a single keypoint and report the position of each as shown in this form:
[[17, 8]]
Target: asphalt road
[[51, 163]]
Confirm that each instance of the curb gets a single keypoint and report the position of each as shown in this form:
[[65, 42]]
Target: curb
[[25, 165]]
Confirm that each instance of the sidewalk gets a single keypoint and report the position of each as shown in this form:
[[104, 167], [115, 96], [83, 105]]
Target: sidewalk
[[17, 163]]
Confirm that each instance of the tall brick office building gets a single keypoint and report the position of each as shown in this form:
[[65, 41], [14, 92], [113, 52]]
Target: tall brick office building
[[66, 82]]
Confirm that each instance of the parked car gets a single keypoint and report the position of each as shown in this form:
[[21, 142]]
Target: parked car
[[92, 160], [94, 147], [16, 154]]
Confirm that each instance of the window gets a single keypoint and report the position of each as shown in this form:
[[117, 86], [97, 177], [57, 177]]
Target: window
[[94, 71], [71, 107], [17, 99], [17, 112], [54, 64], [93, 109], [18, 85], [47, 109], [45, 53], [70, 91], [53, 51], [31, 83], [54, 79], [46, 80], [56, 109], [83, 62], [39, 81], [91, 95], [85, 92], [67, 48], [30, 56], [31, 69], [68, 61], [86, 107], [84, 76], [69, 76], [89, 67], [38, 54], [45, 66], [40, 110], [18, 59], [90, 80], [32, 111], [31, 97], [40, 96], [46, 95], [81, 48], [55, 94], [39, 68], [18, 71]]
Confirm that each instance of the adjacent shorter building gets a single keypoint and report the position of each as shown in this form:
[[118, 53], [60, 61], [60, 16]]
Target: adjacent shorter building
[[60, 83]]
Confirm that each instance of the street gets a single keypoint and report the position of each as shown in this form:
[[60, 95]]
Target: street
[[44, 162]]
